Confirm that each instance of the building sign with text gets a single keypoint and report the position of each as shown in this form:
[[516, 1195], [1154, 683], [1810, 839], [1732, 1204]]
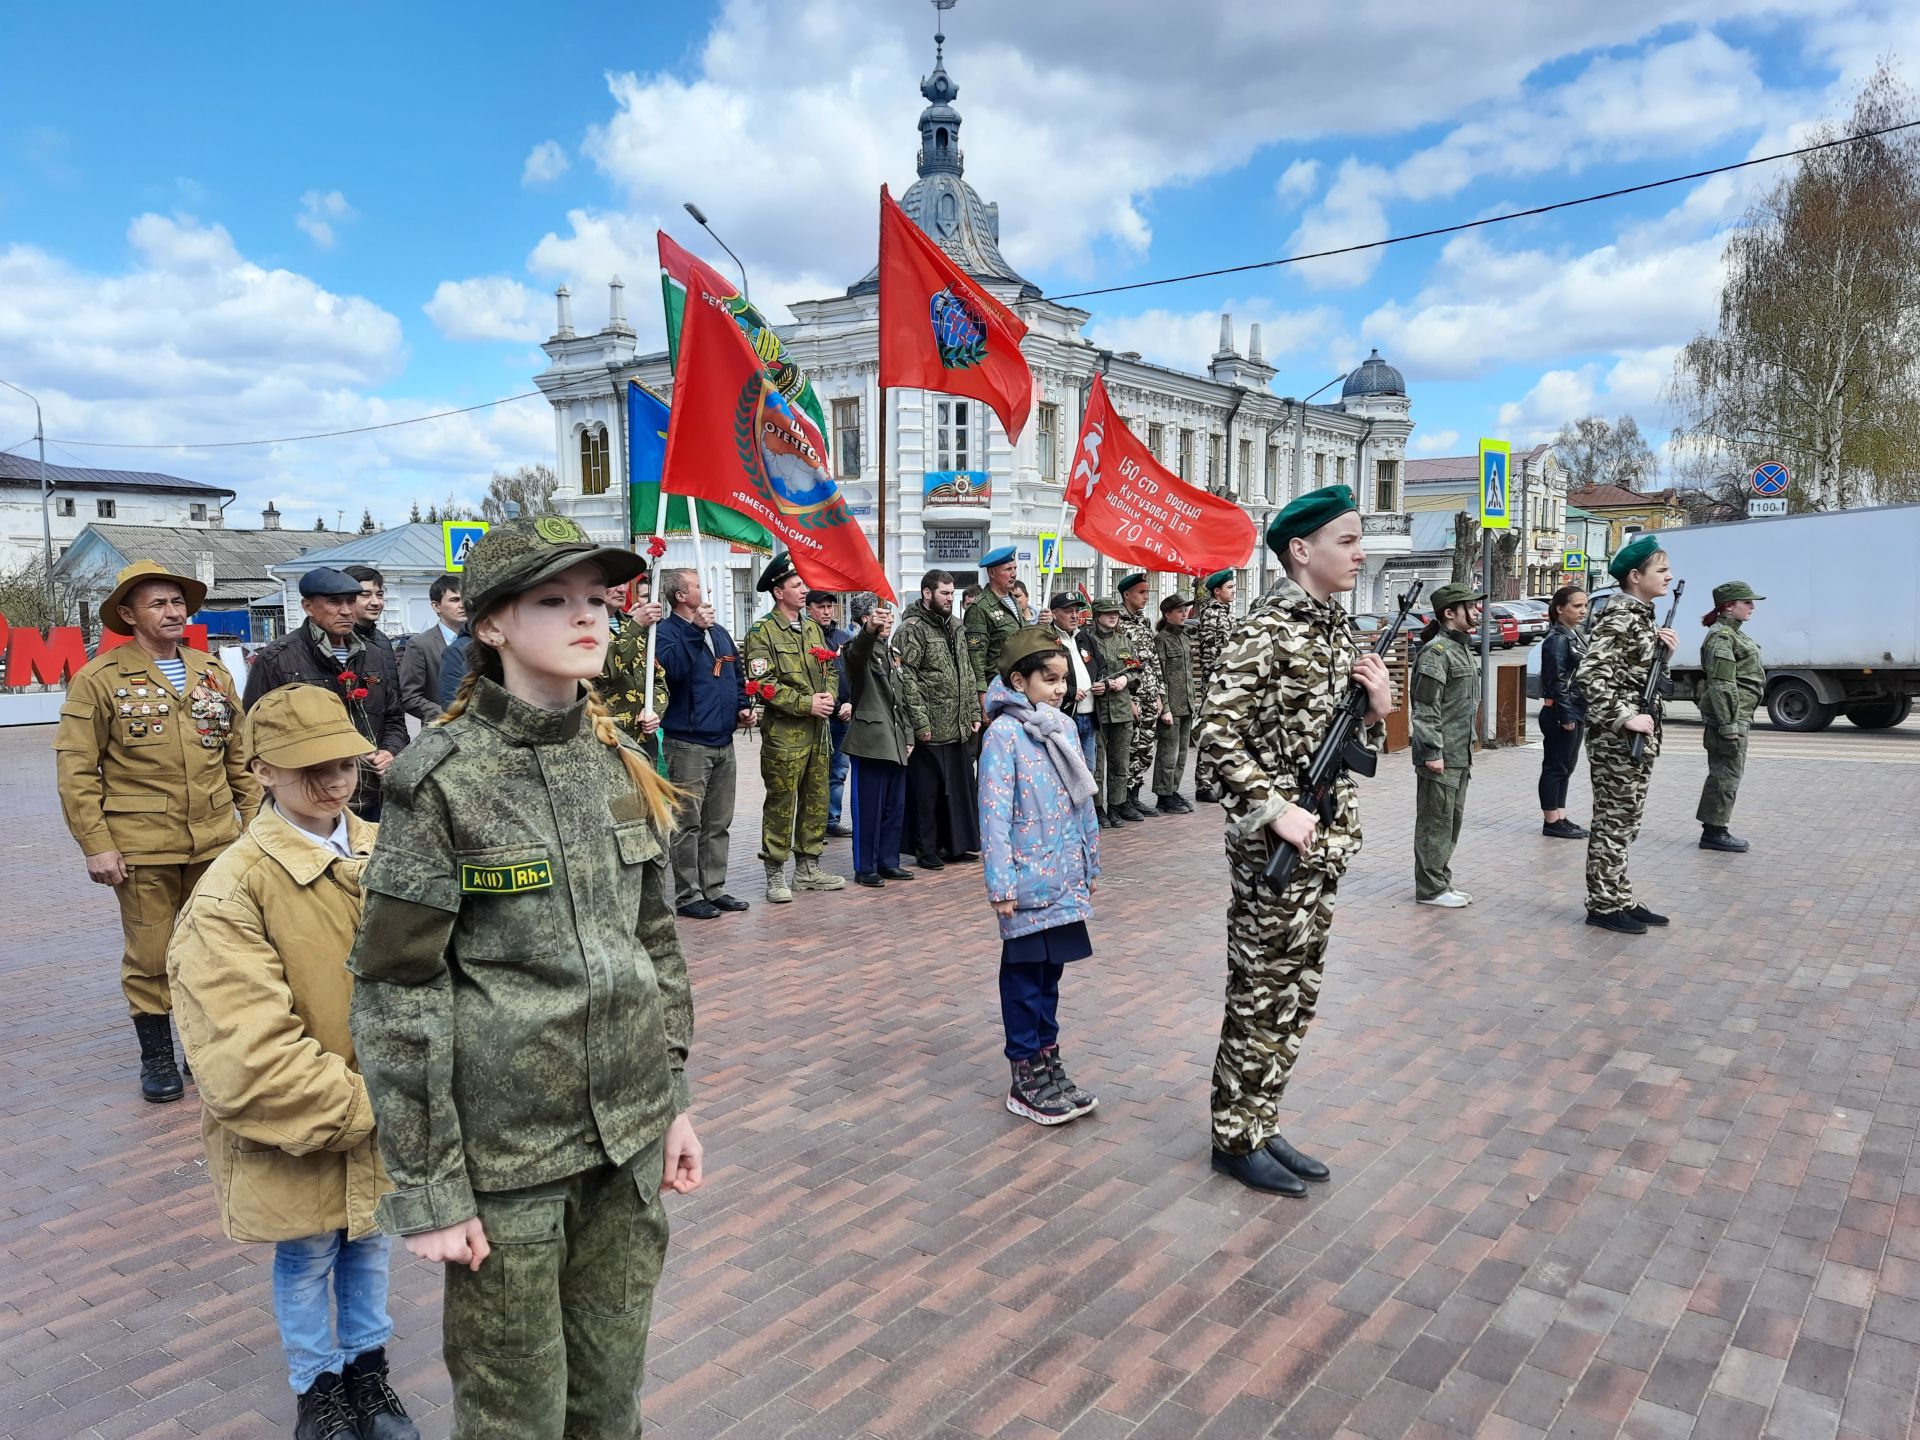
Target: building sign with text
[[959, 487]]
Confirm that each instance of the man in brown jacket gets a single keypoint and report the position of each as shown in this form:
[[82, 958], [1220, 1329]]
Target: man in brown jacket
[[151, 774]]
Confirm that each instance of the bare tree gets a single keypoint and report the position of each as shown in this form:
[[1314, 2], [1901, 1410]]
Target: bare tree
[[530, 487], [1813, 362], [1595, 452], [1467, 536], [23, 594]]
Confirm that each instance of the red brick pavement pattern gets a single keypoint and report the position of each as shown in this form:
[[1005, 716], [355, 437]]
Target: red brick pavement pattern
[[1585, 1185]]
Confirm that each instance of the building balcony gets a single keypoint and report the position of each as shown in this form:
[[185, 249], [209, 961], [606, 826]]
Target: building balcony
[[1387, 533]]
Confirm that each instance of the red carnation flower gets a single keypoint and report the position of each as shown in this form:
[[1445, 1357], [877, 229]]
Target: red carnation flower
[[360, 693], [824, 655], [656, 547], [346, 677]]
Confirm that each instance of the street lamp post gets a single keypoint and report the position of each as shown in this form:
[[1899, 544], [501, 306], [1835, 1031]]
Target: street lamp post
[[46, 525], [694, 210], [1299, 447]]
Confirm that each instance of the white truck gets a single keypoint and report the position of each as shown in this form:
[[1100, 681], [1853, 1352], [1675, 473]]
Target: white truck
[[1840, 626]]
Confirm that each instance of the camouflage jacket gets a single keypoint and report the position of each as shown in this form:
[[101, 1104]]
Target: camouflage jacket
[[782, 654], [1446, 697], [1734, 676], [1212, 623], [522, 1011], [1613, 673], [989, 622], [620, 683], [936, 674], [1117, 657], [1173, 654], [1149, 687], [1285, 669]]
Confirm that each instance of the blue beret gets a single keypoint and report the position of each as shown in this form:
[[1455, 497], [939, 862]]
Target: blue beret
[[1632, 557], [996, 557], [1307, 514], [327, 581]]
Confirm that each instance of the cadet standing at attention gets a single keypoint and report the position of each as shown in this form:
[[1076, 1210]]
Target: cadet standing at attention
[[1149, 692], [1114, 710], [521, 1013], [788, 660], [1171, 648], [1735, 681], [1212, 624], [153, 785], [1446, 696], [992, 618], [1613, 677], [1285, 671]]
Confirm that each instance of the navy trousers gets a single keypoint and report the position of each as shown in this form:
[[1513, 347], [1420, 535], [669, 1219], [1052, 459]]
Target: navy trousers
[[1030, 1008], [879, 813]]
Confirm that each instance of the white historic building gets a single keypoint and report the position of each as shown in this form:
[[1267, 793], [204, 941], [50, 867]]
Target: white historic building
[[955, 486], [81, 496]]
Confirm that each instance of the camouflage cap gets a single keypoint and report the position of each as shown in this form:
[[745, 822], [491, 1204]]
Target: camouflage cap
[[1106, 605], [1456, 594], [513, 557], [1724, 595], [1032, 640]]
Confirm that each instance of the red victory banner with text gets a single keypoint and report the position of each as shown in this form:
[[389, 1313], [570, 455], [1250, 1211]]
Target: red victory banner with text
[[939, 330], [736, 440], [1131, 508]]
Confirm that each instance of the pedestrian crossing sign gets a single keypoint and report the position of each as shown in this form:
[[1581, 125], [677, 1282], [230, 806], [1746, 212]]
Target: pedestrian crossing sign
[[1575, 562], [1050, 555], [1496, 491], [457, 538]]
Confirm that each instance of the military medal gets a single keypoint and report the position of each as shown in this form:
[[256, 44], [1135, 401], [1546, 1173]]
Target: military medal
[[137, 728], [158, 728]]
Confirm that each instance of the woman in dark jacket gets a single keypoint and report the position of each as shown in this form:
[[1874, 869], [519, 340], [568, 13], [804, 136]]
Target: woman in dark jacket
[[1563, 714]]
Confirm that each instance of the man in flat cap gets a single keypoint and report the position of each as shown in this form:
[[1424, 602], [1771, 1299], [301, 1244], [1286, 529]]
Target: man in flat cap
[[153, 784], [1284, 672], [1734, 680], [785, 666], [993, 617], [1211, 624], [1149, 692], [330, 652]]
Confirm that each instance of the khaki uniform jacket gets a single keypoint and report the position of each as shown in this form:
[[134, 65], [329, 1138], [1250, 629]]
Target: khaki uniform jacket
[[936, 674], [989, 622], [778, 652], [261, 993], [154, 775], [1117, 658], [1172, 651], [622, 680], [879, 728], [1735, 678], [1446, 697], [522, 1013]]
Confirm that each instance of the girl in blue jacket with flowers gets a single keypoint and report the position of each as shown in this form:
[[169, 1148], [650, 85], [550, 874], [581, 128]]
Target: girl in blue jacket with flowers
[[1040, 841]]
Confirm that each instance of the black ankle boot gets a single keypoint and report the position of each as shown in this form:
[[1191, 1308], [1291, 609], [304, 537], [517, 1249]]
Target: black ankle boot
[[323, 1412], [159, 1076], [376, 1409], [1260, 1171]]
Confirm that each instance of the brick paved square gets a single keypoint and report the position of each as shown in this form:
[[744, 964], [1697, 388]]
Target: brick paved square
[[1584, 1184]]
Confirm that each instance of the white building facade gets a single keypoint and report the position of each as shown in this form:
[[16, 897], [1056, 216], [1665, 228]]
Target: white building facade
[[81, 496]]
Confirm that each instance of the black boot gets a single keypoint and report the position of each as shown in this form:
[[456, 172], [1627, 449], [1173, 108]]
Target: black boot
[[159, 1076], [1715, 837], [323, 1412], [377, 1409], [1646, 916], [1622, 921], [1260, 1171], [929, 861], [1300, 1163], [1205, 794]]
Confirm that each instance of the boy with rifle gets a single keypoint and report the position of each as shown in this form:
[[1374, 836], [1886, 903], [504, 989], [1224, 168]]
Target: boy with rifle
[[1282, 676]]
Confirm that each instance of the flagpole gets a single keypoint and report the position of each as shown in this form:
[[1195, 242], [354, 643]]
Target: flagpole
[[880, 494], [653, 631]]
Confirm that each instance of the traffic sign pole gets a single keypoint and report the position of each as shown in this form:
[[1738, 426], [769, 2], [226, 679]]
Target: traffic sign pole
[[1496, 496]]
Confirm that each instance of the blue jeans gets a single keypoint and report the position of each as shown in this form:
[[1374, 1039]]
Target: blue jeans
[[837, 772], [301, 1272], [1089, 736]]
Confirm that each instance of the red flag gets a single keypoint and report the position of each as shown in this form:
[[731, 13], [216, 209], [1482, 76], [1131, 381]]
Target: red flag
[[736, 440], [1131, 508], [939, 330]]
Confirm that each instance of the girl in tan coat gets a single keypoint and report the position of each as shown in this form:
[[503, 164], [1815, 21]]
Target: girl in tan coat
[[261, 990]]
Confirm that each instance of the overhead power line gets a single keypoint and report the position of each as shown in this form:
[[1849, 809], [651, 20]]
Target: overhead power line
[[1490, 219], [289, 439]]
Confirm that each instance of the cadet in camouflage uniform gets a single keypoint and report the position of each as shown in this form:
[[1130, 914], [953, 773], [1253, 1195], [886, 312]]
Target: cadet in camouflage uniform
[[1212, 623], [1284, 672], [621, 682], [1114, 711], [993, 617], [1446, 696], [521, 1013], [1735, 679], [1149, 689], [783, 651], [1172, 649], [1613, 677]]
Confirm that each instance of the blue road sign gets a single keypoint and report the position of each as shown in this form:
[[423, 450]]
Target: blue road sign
[[1769, 478], [1495, 493], [457, 537]]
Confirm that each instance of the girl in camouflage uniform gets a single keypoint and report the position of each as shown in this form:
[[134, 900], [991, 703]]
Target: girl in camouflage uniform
[[522, 1014], [1734, 682]]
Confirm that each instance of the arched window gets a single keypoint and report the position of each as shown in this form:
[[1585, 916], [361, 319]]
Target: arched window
[[595, 474]]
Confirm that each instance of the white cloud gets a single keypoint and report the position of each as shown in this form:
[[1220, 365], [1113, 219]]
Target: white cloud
[[1353, 212], [319, 213], [489, 307], [1297, 181], [1634, 384], [1433, 442], [1187, 339], [546, 162]]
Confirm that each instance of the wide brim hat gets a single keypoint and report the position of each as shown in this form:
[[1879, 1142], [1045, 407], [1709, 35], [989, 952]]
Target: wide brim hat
[[137, 574], [512, 558], [301, 725]]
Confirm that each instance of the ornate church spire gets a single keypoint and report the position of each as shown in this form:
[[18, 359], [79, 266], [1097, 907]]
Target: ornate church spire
[[940, 122]]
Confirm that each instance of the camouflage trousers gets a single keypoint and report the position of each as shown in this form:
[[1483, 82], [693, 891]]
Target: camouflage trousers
[[1203, 776], [1170, 755], [1113, 745], [1276, 946], [1726, 762], [150, 900], [547, 1340], [796, 758], [1146, 731], [1619, 798], [1438, 809]]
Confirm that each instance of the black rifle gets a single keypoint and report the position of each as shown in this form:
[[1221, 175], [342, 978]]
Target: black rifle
[[1339, 753], [1659, 683]]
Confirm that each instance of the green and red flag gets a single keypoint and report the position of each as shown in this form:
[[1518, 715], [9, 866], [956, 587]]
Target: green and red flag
[[737, 439]]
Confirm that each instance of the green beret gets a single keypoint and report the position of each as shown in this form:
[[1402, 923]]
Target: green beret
[[1307, 514], [1724, 595], [1455, 595], [513, 557], [1217, 579], [1032, 640], [1129, 580], [1106, 605], [1633, 557]]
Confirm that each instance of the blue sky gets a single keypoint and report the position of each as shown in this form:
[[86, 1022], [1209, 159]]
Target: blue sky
[[235, 222]]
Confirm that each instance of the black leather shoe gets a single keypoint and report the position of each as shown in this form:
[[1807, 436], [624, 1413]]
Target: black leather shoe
[[1305, 1166], [1620, 920], [1107, 822], [1127, 810], [1646, 916], [159, 1075], [870, 879], [1206, 797], [839, 832], [962, 857], [728, 904], [1563, 830], [929, 862], [1260, 1171], [1721, 840], [894, 872], [699, 910]]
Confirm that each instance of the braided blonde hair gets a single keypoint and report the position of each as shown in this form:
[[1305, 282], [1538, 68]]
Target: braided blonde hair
[[656, 793]]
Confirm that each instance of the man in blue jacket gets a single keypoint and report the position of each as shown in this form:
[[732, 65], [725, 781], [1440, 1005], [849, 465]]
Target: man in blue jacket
[[706, 703]]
